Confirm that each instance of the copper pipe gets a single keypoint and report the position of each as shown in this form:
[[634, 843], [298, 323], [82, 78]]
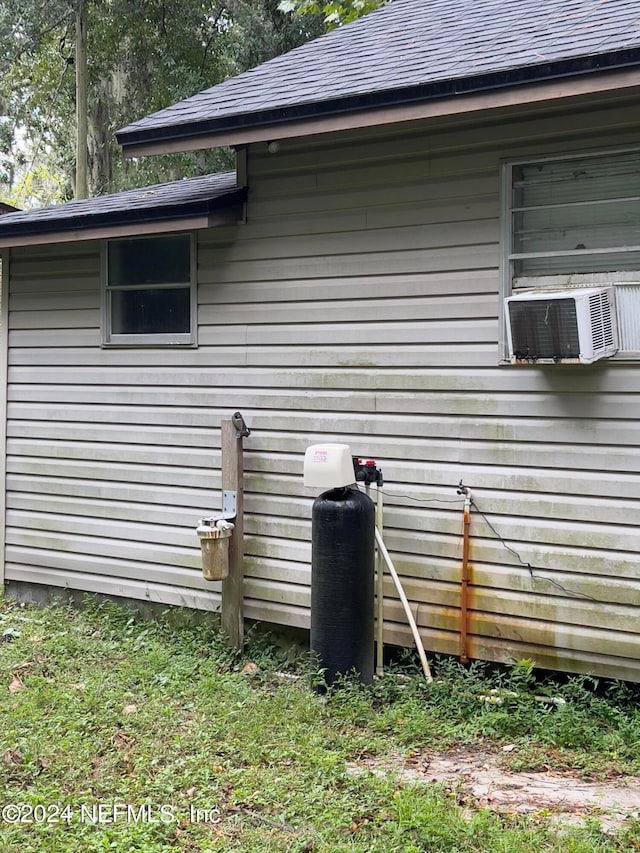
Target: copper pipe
[[464, 580]]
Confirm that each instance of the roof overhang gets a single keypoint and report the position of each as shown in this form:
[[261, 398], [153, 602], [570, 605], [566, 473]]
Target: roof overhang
[[82, 225], [329, 118]]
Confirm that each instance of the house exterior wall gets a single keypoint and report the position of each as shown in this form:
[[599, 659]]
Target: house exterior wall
[[359, 303]]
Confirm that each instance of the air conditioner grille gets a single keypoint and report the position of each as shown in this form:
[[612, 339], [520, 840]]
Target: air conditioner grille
[[602, 329], [545, 329]]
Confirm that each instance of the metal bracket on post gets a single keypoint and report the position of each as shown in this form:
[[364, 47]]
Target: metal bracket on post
[[229, 509], [229, 503]]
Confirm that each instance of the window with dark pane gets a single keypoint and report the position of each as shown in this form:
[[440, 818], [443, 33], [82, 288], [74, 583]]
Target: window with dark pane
[[150, 289], [150, 260], [149, 312]]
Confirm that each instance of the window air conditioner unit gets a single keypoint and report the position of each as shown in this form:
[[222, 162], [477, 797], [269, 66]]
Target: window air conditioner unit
[[574, 325]]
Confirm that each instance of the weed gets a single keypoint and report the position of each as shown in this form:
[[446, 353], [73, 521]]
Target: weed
[[123, 734]]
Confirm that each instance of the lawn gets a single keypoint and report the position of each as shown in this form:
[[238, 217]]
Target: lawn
[[130, 735]]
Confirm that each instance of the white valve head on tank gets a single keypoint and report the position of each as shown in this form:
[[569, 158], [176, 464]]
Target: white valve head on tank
[[328, 466]]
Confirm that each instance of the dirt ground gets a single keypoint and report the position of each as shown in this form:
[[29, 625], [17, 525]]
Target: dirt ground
[[479, 781]]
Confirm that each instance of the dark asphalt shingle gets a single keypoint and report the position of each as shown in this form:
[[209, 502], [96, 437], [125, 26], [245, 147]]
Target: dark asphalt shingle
[[156, 203], [410, 44]]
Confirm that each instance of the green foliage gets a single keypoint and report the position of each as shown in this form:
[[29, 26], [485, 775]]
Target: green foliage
[[105, 708], [34, 187], [334, 13], [142, 56]]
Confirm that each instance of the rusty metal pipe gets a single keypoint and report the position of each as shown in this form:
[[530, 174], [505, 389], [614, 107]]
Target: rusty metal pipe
[[464, 579]]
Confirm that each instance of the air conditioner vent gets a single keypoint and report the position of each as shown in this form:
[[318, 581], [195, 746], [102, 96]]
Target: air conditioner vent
[[602, 332], [574, 325]]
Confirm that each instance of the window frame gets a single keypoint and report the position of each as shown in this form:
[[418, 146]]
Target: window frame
[[554, 281], [152, 339]]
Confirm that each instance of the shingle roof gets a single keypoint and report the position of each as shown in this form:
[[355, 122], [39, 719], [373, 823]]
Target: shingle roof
[[411, 50], [176, 200]]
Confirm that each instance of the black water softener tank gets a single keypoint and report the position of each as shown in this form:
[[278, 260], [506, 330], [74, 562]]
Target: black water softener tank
[[342, 586]]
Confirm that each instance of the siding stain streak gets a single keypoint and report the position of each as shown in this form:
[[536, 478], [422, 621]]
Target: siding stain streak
[[359, 303]]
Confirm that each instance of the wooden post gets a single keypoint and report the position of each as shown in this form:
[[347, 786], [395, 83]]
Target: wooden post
[[233, 586], [81, 100]]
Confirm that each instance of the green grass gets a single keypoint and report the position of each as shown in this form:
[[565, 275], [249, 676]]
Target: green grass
[[105, 709]]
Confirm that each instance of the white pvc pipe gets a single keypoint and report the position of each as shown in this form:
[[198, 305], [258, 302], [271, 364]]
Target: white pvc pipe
[[403, 598]]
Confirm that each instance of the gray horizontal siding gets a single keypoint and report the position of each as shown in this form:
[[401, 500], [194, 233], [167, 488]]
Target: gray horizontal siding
[[359, 303]]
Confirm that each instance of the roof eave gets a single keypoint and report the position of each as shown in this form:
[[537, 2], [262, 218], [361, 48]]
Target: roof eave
[[223, 210], [361, 110]]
